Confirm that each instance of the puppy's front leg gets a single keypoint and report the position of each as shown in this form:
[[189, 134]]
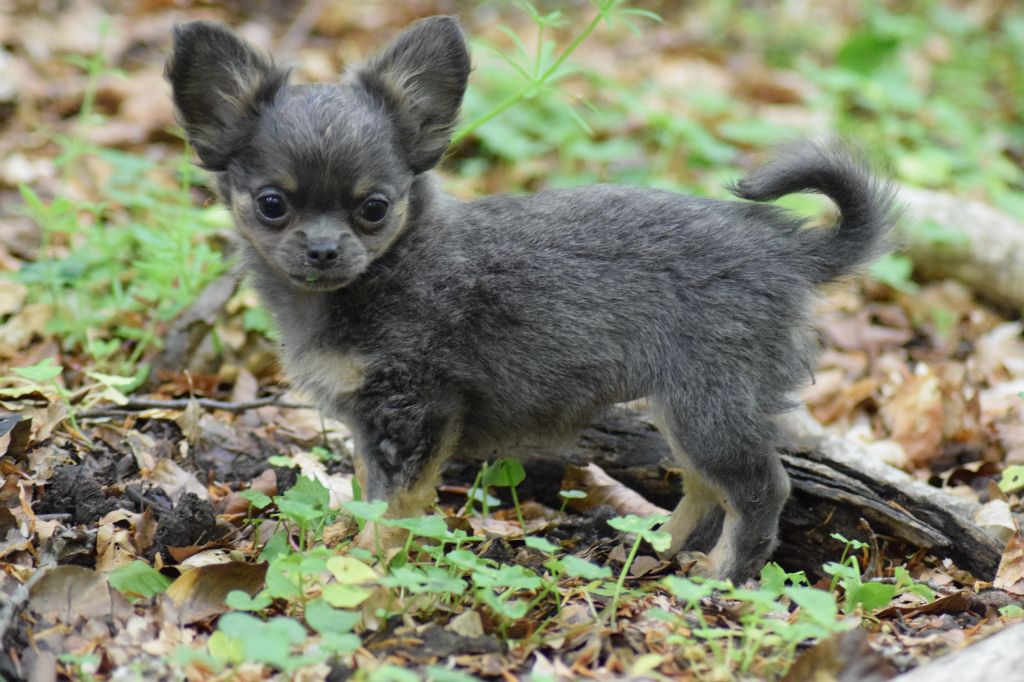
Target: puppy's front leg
[[402, 438]]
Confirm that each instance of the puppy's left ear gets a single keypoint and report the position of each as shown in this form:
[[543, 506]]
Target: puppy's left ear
[[420, 79]]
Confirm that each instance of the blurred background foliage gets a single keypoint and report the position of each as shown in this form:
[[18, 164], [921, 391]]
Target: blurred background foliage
[[108, 230]]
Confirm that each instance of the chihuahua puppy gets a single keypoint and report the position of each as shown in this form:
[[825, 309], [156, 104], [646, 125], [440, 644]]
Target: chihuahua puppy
[[431, 325]]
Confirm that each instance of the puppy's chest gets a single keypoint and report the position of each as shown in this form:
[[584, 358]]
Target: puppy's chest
[[330, 377]]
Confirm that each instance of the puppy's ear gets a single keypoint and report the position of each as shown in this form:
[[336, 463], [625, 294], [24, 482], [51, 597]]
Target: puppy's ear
[[220, 85], [420, 79]]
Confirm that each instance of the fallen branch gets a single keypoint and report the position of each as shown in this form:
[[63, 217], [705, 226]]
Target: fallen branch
[[997, 657], [138, 404], [986, 253], [837, 487]]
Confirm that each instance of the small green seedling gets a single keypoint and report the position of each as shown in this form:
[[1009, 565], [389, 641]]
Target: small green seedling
[[643, 528]]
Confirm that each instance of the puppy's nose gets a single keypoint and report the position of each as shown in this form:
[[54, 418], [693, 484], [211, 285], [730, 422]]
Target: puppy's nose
[[322, 254]]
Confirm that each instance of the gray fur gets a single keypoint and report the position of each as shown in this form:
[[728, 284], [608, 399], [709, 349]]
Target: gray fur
[[470, 324]]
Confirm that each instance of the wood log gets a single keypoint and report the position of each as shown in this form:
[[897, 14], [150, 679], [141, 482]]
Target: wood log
[[997, 657], [986, 251], [837, 487]]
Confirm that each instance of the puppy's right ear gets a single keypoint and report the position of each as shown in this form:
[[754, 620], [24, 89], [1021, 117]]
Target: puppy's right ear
[[220, 85]]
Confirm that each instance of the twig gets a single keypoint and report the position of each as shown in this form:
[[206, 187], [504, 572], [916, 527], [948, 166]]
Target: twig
[[137, 404]]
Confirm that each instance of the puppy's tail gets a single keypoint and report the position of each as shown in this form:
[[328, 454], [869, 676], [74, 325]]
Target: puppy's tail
[[866, 203]]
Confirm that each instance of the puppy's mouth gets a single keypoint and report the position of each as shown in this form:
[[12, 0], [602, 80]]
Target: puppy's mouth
[[320, 281]]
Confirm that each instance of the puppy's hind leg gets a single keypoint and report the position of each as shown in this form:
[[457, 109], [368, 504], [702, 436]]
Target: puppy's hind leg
[[731, 451], [697, 518]]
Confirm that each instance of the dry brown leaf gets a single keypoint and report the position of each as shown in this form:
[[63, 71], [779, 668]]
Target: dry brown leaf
[[175, 481], [999, 354], [265, 483], [843, 656], [114, 545], [72, 592], [17, 331], [995, 516], [603, 489], [1010, 574], [914, 416], [200, 593], [12, 296]]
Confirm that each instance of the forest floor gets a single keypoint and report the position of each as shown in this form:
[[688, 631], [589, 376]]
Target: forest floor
[[169, 509]]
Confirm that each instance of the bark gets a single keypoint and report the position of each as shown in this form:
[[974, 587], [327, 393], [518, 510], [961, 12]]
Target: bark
[[997, 657]]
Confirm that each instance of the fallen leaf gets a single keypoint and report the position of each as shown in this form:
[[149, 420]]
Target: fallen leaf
[[843, 657], [72, 592], [958, 602], [996, 517], [914, 415], [1010, 574], [200, 593], [12, 295], [175, 481], [602, 489]]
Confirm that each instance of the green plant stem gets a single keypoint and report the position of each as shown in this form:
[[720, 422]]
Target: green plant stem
[[519, 511], [622, 576], [537, 82]]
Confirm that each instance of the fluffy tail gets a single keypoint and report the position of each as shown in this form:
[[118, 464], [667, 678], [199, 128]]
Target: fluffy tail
[[866, 203]]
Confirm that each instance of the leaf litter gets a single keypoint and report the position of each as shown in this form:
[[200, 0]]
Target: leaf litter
[[124, 538]]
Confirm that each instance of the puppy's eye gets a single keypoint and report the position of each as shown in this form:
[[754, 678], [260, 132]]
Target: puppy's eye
[[271, 207], [374, 210]]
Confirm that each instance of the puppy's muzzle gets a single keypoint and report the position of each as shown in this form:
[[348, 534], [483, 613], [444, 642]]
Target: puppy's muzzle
[[322, 254]]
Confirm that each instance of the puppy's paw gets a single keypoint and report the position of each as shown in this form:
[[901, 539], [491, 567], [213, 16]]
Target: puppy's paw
[[696, 565]]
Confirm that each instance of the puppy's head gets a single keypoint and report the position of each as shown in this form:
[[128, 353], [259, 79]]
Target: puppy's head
[[318, 177]]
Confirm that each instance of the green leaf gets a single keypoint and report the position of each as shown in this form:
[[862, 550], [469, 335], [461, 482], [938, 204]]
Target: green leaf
[[324, 618], [268, 642], [658, 539], [870, 595], [349, 571], [309, 491], [572, 494], [631, 523], [436, 673], [1012, 478], [513, 609], [276, 546], [44, 370], [255, 498], [428, 579], [340, 643], [818, 605], [432, 526], [928, 167], [345, 596], [866, 51], [581, 568], [1011, 611], [366, 511], [224, 647], [138, 579], [688, 590], [504, 473], [392, 673], [512, 577], [282, 579], [894, 270], [541, 544], [299, 512], [240, 600]]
